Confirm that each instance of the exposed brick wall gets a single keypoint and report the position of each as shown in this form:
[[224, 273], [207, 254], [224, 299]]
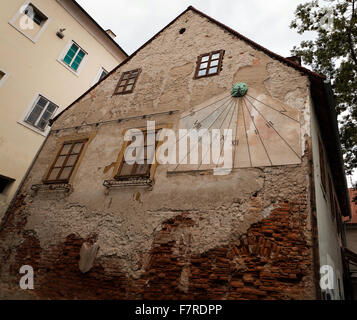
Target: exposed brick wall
[[273, 260]]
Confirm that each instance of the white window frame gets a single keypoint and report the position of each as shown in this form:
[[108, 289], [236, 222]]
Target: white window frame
[[19, 12], [64, 53], [6, 76], [99, 73], [29, 109]]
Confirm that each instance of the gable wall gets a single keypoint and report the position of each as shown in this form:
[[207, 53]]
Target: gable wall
[[244, 235]]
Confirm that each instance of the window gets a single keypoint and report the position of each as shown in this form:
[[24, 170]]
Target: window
[[4, 183], [34, 14], [322, 166], [30, 21], [100, 75], [41, 113], [65, 162], [103, 74], [127, 170], [209, 64], [3, 76], [127, 81], [74, 56]]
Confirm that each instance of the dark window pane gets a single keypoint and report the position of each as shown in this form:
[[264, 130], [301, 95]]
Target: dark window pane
[[44, 120], [54, 173], [126, 169], [66, 148], [51, 107], [142, 169], [77, 147], [60, 161], [35, 113], [103, 74], [71, 52], [71, 160], [65, 173]]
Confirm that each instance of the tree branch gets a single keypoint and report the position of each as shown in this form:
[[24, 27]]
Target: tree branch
[[350, 41]]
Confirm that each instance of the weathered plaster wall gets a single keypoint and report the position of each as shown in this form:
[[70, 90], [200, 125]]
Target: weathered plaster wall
[[329, 240], [246, 235]]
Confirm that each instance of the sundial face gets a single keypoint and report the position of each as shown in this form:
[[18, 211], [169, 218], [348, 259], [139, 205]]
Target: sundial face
[[265, 131]]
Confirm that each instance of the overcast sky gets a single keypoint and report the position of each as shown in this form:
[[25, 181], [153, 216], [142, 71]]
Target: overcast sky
[[136, 21]]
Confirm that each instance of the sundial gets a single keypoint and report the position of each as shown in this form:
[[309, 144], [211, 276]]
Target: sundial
[[265, 130]]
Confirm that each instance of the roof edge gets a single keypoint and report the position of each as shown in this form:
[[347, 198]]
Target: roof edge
[[98, 26], [237, 34]]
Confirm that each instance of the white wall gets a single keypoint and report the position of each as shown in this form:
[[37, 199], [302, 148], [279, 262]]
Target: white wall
[[329, 249]]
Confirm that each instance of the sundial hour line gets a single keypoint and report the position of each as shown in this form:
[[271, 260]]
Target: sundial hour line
[[207, 118], [231, 108], [195, 111], [257, 132], [227, 107], [230, 121], [275, 130], [246, 137], [280, 111]]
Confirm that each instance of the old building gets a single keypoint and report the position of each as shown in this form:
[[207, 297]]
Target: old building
[[51, 53], [351, 239], [92, 225]]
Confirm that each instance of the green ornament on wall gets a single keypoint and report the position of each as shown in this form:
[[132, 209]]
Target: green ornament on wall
[[239, 89]]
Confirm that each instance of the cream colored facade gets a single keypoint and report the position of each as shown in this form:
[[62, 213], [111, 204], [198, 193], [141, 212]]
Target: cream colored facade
[[31, 65]]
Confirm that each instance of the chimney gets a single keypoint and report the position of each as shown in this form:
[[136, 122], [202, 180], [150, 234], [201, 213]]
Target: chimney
[[111, 33], [295, 59]]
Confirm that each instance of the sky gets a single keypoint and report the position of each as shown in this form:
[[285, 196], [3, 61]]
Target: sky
[[136, 21]]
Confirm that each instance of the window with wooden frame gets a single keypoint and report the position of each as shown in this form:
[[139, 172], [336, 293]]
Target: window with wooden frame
[[127, 81], [65, 162], [322, 166], [209, 64], [128, 170]]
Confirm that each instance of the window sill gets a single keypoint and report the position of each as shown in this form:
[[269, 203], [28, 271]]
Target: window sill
[[38, 35], [52, 187], [42, 133], [76, 73], [129, 182]]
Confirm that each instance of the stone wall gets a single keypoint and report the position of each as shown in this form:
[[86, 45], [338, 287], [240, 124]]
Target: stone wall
[[246, 235]]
